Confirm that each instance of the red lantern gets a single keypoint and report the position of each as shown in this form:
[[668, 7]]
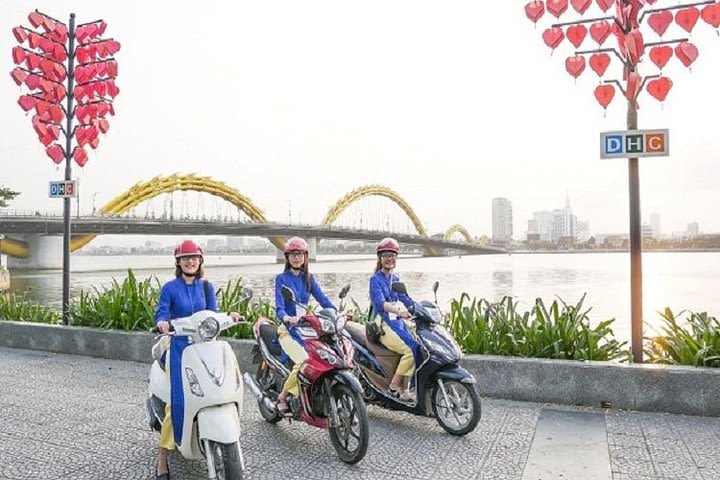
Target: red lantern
[[604, 94], [659, 88]]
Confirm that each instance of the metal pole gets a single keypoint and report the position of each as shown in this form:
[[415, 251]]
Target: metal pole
[[68, 171], [635, 245]]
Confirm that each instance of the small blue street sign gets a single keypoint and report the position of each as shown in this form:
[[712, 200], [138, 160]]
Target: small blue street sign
[[635, 143], [63, 189]]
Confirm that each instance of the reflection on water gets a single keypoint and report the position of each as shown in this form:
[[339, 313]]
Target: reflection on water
[[503, 282], [678, 280]]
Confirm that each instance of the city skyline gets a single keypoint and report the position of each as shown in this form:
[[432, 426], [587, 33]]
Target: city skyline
[[418, 106]]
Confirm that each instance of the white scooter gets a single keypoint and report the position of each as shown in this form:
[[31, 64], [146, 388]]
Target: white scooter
[[212, 390]]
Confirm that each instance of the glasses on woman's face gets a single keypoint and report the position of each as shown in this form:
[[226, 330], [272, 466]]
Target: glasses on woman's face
[[191, 257], [296, 254], [388, 255]]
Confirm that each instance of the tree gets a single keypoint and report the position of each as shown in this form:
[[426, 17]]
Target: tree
[[6, 195]]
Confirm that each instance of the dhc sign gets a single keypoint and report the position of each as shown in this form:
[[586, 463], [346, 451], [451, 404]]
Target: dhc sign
[[635, 143]]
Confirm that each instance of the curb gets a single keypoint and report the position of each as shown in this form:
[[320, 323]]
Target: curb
[[652, 388]]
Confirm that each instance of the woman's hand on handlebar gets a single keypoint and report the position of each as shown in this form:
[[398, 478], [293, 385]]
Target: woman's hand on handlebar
[[163, 327], [236, 317], [291, 320]]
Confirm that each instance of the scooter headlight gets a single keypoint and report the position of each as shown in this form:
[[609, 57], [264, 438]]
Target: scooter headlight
[[209, 328]]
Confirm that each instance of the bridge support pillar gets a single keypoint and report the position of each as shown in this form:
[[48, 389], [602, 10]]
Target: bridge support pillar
[[45, 253], [312, 251]]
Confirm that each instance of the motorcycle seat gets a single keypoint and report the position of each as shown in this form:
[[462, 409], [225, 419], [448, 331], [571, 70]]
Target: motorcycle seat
[[269, 336], [357, 332]]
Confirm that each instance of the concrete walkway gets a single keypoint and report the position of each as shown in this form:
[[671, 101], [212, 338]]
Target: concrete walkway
[[71, 417]]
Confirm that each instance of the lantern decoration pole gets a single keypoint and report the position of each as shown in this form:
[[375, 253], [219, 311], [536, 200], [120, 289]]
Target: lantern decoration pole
[[87, 83], [625, 25]]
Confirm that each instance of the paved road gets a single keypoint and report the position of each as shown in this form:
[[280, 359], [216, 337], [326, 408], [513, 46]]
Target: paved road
[[71, 417]]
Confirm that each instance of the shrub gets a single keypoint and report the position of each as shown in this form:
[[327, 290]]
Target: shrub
[[562, 331], [13, 307], [129, 305], [694, 342]]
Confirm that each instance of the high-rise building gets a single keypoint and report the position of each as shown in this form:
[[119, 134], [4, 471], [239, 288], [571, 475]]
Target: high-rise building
[[553, 225], [502, 221], [693, 229], [655, 224]]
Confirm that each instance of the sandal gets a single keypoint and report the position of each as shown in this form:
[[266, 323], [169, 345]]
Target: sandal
[[395, 393]]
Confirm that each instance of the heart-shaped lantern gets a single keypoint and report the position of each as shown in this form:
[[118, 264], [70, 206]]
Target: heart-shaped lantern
[[103, 125], [80, 156], [687, 53], [32, 61], [112, 47], [35, 19], [18, 76], [604, 6], [18, 55], [660, 55], [56, 153], [659, 88], [576, 34], [580, 6], [112, 89], [575, 65], [659, 21], [27, 102], [599, 62], [604, 94], [599, 31], [556, 7], [535, 10], [20, 34], [553, 36], [711, 14], [34, 40], [687, 18]]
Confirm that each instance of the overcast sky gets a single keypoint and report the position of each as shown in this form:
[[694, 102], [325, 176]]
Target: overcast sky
[[448, 103]]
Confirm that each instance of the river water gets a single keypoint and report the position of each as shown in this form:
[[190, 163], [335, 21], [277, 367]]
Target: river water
[[683, 280]]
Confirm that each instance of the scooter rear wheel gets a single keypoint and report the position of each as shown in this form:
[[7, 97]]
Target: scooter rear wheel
[[460, 412], [266, 380]]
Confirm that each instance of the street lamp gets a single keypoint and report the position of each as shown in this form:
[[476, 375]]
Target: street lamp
[[70, 62], [625, 25]]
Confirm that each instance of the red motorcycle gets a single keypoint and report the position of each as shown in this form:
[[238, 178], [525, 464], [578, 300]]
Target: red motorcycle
[[330, 395]]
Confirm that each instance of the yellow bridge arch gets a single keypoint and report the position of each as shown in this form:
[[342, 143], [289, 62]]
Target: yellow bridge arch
[[372, 190], [458, 229], [143, 191]]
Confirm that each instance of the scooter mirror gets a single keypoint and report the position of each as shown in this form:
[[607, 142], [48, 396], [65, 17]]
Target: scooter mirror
[[435, 286], [288, 294], [399, 287], [344, 291]]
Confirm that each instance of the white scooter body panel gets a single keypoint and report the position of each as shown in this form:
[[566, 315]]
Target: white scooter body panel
[[214, 359]]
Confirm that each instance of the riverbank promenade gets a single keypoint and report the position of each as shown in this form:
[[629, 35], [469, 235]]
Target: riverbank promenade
[[73, 417]]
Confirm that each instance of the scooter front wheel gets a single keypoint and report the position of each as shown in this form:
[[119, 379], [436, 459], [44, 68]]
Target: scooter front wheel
[[456, 406], [350, 437], [227, 461]]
